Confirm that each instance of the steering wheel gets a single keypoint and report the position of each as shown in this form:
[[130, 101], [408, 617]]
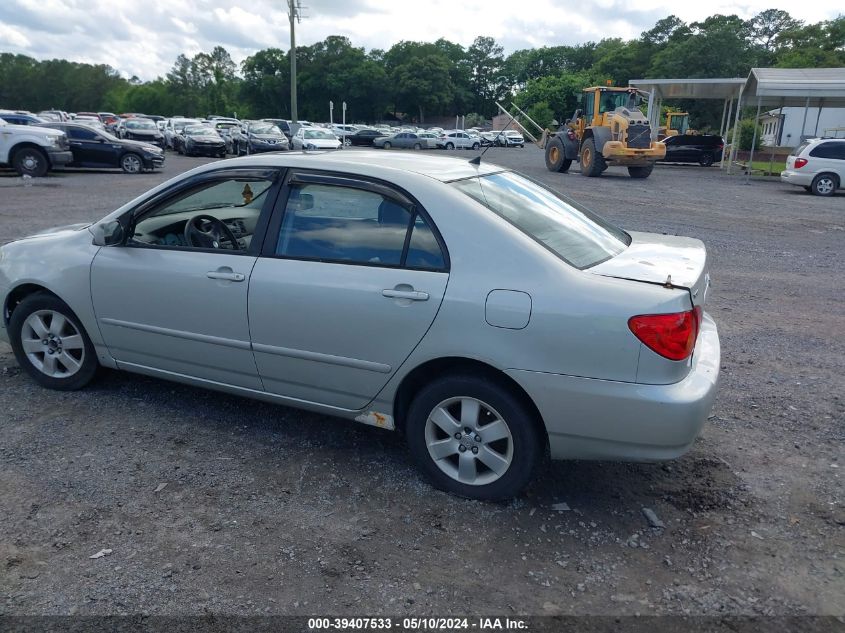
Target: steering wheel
[[206, 231]]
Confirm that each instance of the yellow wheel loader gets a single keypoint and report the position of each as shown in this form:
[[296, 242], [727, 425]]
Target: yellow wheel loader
[[608, 129]]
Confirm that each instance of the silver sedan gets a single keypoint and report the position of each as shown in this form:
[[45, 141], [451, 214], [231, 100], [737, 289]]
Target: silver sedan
[[484, 316]]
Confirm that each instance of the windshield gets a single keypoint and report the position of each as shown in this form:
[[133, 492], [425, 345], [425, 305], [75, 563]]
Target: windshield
[[318, 134], [612, 100], [200, 130], [140, 125], [267, 128], [576, 235], [181, 125]]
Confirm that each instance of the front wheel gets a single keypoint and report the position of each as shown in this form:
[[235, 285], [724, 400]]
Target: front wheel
[[30, 161], [417, 146], [592, 163], [706, 160], [473, 437], [643, 171], [386, 145], [556, 156], [476, 146], [131, 163], [450, 146], [50, 344]]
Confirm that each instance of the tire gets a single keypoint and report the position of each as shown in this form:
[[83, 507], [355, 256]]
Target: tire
[[222, 154], [592, 163], [68, 360], [450, 146], [30, 161], [386, 145], [706, 160], [417, 146], [824, 185], [518, 451], [131, 163], [556, 156], [476, 146], [643, 171]]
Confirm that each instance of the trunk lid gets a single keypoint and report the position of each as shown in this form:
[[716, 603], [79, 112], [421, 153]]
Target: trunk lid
[[665, 260]]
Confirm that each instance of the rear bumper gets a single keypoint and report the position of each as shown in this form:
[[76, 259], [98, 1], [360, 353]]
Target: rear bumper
[[606, 420], [791, 177], [60, 157]]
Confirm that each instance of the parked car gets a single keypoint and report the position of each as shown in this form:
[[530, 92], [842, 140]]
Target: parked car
[[283, 125], [21, 118], [173, 131], [202, 140], [451, 139], [32, 150], [818, 165], [487, 138], [357, 294], [704, 149], [314, 138], [258, 136], [224, 127], [92, 147], [406, 140], [509, 138], [365, 137], [137, 129]]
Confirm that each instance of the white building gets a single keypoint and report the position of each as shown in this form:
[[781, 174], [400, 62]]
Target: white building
[[783, 127]]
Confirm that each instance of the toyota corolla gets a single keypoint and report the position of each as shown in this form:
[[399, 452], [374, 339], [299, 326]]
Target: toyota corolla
[[488, 318]]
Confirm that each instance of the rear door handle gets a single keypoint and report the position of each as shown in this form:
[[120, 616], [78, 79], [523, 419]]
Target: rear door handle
[[225, 275], [413, 295]]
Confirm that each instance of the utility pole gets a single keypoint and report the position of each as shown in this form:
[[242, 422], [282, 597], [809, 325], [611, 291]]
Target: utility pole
[[294, 15]]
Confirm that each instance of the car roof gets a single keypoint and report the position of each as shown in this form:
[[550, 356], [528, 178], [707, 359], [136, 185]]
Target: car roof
[[363, 162]]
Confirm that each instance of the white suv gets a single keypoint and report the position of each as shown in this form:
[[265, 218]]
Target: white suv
[[818, 165]]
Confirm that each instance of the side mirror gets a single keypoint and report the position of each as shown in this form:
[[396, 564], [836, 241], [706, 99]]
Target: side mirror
[[108, 233]]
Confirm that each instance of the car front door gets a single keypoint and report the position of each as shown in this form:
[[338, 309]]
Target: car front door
[[350, 279], [174, 301], [90, 149]]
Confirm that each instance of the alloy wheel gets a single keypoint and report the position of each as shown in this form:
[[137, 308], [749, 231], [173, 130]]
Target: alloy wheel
[[53, 344], [469, 441]]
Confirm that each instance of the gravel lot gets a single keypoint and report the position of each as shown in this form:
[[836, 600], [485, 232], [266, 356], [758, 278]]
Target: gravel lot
[[212, 503]]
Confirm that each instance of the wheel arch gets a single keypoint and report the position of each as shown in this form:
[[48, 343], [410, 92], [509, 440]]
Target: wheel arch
[[17, 294], [433, 369], [24, 145], [832, 174]]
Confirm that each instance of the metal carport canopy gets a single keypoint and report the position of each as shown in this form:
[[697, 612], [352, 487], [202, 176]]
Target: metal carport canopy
[[813, 87], [691, 88]]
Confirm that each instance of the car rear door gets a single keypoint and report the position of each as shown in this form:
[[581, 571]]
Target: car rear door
[[350, 278]]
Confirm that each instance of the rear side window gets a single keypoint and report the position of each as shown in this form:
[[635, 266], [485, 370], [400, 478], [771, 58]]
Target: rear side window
[[348, 225], [576, 235], [830, 149], [800, 149]]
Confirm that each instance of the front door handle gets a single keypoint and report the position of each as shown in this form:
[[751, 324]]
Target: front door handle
[[413, 295], [225, 275]]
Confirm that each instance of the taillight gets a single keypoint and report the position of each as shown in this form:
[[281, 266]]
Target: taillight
[[672, 336], [800, 162]]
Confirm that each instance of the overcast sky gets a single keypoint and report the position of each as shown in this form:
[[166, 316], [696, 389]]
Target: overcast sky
[[143, 37]]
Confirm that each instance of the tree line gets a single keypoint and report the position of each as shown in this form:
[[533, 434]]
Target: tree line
[[419, 80]]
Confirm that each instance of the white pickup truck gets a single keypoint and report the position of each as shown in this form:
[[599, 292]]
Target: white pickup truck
[[31, 150]]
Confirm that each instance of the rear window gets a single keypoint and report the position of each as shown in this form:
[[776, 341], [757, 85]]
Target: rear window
[[800, 148], [578, 236]]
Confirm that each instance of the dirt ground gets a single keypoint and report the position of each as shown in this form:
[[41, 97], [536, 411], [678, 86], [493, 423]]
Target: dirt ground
[[215, 504]]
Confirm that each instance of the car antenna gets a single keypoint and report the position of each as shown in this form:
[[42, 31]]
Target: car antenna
[[477, 160]]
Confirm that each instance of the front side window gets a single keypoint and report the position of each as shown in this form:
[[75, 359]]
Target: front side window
[[576, 235], [219, 214], [344, 224]]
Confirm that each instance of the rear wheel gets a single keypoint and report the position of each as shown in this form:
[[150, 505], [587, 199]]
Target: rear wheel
[[131, 163], [706, 160], [30, 161], [592, 163], [824, 185], [556, 157], [417, 146], [450, 146], [50, 344], [471, 436], [476, 146], [643, 171]]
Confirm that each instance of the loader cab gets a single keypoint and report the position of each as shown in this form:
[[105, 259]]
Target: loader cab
[[677, 123], [597, 101]]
